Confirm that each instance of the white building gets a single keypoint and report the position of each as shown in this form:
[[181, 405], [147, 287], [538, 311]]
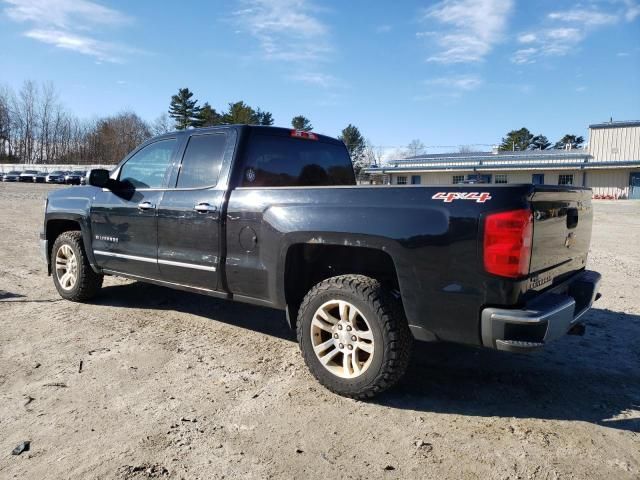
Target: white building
[[610, 164]]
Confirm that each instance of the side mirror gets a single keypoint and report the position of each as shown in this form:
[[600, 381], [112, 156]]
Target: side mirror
[[98, 177]]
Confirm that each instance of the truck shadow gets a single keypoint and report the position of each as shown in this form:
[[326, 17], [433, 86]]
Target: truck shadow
[[145, 295], [595, 378]]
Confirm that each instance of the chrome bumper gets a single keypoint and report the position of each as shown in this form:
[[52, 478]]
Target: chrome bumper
[[546, 318]]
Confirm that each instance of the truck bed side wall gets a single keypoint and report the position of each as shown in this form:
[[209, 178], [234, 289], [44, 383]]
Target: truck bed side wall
[[433, 245]]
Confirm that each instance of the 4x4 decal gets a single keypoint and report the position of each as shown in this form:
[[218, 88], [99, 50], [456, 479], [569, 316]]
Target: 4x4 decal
[[448, 197]]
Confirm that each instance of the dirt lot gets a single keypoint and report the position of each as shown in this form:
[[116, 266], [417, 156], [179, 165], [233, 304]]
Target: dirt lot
[[175, 385]]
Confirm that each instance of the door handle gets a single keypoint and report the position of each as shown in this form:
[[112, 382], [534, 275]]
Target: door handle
[[205, 208], [146, 206]]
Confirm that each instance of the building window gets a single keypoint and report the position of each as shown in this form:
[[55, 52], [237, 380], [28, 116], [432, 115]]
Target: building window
[[401, 180], [501, 178], [415, 179], [537, 178], [458, 178], [565, 179]]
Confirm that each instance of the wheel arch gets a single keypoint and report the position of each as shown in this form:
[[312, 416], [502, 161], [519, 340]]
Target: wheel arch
[[58, 224], [306, 264]]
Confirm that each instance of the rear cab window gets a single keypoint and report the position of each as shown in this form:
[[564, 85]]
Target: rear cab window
[[282, 161]]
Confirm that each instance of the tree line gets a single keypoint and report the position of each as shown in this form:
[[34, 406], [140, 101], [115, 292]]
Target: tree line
[[522, 139], [36, 128], [186, 113]]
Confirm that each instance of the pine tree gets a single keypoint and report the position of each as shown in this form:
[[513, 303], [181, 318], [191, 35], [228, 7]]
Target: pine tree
[[208, 116], [183, 110], [264, 118], [301, 122], [539, 142], [517, 140], [355, 144], [240, 113], [572, 140]]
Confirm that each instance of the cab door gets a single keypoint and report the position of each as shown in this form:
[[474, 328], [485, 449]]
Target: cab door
[[124, 220], [189, 214]]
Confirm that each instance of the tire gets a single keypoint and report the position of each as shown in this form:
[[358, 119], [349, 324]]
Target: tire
[[86, 282], [379, 356]]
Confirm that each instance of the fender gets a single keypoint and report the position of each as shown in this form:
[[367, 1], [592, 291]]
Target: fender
[[74, 208]]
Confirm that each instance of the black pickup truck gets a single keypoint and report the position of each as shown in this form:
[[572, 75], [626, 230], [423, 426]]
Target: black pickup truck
[[273, 217]]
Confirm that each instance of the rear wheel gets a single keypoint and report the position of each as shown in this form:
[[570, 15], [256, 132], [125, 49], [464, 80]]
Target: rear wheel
[[353, 336], [73, 277]]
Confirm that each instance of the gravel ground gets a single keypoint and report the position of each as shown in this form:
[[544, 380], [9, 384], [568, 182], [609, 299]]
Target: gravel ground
[[175, 385]]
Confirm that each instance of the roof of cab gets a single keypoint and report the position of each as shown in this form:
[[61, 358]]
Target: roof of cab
[[253, 129]]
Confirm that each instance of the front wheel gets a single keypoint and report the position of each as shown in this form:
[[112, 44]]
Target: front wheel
[[353, 336], [73, 277]]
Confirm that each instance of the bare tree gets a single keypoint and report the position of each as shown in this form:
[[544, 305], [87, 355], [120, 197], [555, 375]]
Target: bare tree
[[162, 124], [372, 155], [117, 135], [5, 124], [415, 148]]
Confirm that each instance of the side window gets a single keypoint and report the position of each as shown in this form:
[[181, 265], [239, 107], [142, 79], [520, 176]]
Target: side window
[[202, 160], [147, 168]]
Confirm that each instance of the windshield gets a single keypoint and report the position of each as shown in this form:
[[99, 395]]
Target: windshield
[[31, 171]]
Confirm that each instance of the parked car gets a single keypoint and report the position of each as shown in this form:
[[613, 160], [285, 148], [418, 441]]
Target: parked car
[[273, 217], [75, 178], [41, 177], [28, 176], [57, 176], [12, 176]]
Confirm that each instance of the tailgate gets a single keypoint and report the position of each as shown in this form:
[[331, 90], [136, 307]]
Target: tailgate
[[562, 219]]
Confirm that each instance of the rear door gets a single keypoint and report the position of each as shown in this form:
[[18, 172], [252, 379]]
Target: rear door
[[189, 214], [562, 220], [124, 221]]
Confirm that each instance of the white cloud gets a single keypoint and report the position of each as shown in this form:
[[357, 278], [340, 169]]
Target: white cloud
[[566, 29], [70, 25], [527, 38], [588, 18], [287, 30], [63, 14], [524, 55], [315, 79], [632, 10], [103, 51], [458, 82], [472, 28], [290, 31], [449, 88]]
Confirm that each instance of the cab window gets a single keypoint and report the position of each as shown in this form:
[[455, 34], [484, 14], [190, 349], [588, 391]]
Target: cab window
[[202, 160], [147, 167]]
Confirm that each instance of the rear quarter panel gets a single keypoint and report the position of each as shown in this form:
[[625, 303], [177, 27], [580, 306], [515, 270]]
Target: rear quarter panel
[[433, 244]]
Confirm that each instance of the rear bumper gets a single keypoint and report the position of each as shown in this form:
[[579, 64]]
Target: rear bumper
[[546, 318]]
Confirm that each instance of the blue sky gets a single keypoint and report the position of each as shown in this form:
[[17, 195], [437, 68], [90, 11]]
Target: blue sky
[[453, 72]]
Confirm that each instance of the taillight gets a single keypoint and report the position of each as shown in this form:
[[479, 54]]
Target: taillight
[[507, 243], [303, 134]]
